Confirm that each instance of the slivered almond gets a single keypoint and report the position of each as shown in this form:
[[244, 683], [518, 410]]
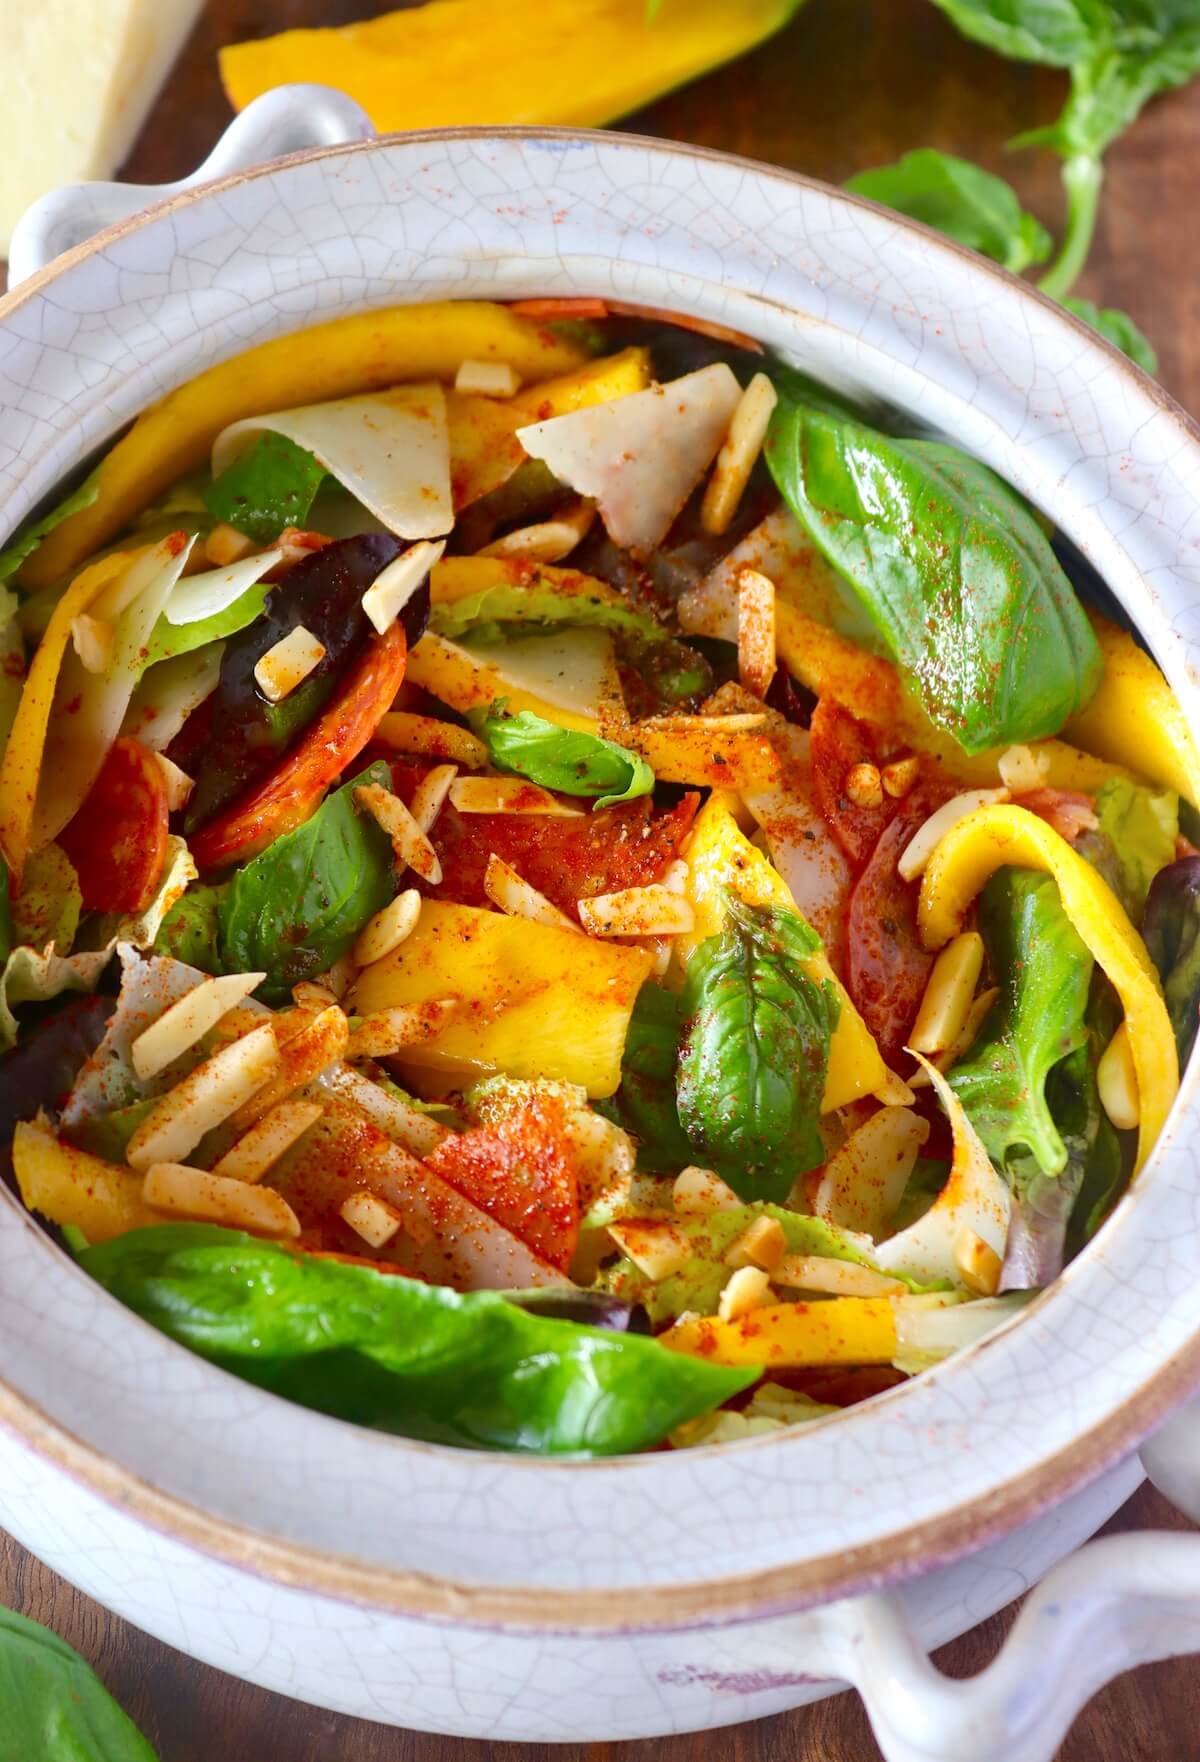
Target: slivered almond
[[698, 1191], [746, 1289], [945, 1061], [310, 996], [287, 663], [405, 1124], [507, 795], [179, 784], [638, 911], [388, 928], [319, 1042], [429, 797], [1023, 768], [899, 775], [762, 1244], [410, 844], [506, 890], [205, 1098], [405, 732], [262, 1146], [93, 640], [977, 1263], [394, 586], [734, 722], [370, 1217], [840, 1278], [488, 379], [894, 1092], [546, 541], [389, 1030], [188, 1020], [225, 545], [739, 451], [654, 1245], [174, 1187], [756, 630]]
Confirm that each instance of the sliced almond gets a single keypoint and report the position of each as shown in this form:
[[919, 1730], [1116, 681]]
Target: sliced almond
[[370, 1217], [1116, 1079], [837, 1278], [739, 452], [287, 663], [429, 797], [507, 795], [94, 640], [309, 1049], [748, 1288], [945, 1061], [410, 844], [311, 996], [509, 893], [188, 1020], [546, 541], [763, 1244], [173, 1187], [756, 631], [487, 379], [405, 732], [394, 586], [205, 1098], [1023, 769], [949, 993], [390, 1030], [638, 911], [261, 1147], [225, 545], [388, 928]]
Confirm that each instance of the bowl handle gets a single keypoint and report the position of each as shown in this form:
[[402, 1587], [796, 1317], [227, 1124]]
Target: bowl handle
[[1118, 1602], [286, 120]]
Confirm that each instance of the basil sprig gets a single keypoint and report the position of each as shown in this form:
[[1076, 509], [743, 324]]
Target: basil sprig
[[961, 200], [565, 759]]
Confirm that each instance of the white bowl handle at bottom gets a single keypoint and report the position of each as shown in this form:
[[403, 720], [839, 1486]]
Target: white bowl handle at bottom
[[286, 120], [1117, 1602]]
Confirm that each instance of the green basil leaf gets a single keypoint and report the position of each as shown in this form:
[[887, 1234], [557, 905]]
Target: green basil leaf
[[1056, 33], [53, 1707], [168, 640], [297, 908], [565, 759], [752, 1066], [1143, 827], [1043, 969], [26, 540], [1118, 328], [269, 486], [954, 570], [402, 1356], [962, 201], [191, 930], [645, 1101]]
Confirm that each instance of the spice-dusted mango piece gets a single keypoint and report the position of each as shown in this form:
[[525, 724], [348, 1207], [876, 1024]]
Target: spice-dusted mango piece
[[838, 1330], [720, 857], [452, 62], [1135, 719], [70, 1187], [364, 352], [538, 1002]]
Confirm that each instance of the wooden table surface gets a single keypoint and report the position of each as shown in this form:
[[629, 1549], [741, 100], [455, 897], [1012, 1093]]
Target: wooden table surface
[[851, 83]]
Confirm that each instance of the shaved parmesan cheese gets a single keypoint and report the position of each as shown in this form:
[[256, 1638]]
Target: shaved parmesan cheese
[[188, 1020], [406, 1024], [390, 449], [179, 784], [640, 457], [287, 663], [93, 640], [168, 693], [508, 795], [394, 586], [269, 1139], [509, 893], [173, 1187], [568, 676], [204, 1099], [862, 1183], [204, 595]]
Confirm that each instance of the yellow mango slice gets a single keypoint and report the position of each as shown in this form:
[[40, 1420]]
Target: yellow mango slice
[[484, 450], [995, 836], [538, 1002], [23, 755], [70, 1187], [450, 62], [721, 858], [706, 758], [364, 352], [1135, 718], [568, 676], [838, 1330]]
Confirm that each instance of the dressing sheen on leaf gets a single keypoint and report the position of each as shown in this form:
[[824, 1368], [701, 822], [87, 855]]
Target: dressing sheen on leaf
[[957, 576], [563, 758]]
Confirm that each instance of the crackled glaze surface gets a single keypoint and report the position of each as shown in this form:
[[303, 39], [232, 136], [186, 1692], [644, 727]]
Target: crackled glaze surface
[[874, 306]]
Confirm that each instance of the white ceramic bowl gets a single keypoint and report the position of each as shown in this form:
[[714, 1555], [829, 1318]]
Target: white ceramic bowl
[[511, 1598]]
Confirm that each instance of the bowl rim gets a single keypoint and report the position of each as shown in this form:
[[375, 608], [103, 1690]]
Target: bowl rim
[[696, 1602]]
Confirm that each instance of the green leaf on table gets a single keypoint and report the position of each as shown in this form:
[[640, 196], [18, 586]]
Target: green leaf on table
[[755, 1051], [27, 538], [961, 200], [952, 567], [391, 1352], [1118, 328], [565, 759], [298, 907], [1142, 826], [269, 486], [53, 1707]]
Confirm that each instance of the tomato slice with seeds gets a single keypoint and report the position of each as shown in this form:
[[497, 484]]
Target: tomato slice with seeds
[[117, 840], [522, 1172], [839, 742]]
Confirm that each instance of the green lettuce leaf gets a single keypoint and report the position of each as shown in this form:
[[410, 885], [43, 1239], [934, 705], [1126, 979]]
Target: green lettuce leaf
[[1142, 826], [53, 1708], [49, 905], [751, 1072], [771, 1408], [391, 1352], [24, 542], [269, 486], [191, 930], [565, 759], [168, 640], [960, 200]]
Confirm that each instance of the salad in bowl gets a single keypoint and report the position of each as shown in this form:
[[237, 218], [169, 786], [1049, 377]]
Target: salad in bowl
[[567, 890]]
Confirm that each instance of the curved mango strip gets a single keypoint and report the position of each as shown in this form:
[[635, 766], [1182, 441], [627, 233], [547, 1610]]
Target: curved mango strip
[[720, 857], [997, 836], [72, 1188], [365, 352], [837, 1330], [26, 743], [1135, 719]]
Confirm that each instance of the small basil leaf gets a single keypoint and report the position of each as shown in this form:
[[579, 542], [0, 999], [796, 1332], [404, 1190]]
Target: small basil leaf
[[1055, 33], [269, 486], [391, 1352], [645, 1101], [952, 567], [296, 909], [752, 1066], [565, 759], [53, 1707], [168, 640], [1118, 328], [962, 201], [536, 599]]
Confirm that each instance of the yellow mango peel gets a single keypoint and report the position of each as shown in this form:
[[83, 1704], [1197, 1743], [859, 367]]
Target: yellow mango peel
[[837, 1330], [1000, 835]]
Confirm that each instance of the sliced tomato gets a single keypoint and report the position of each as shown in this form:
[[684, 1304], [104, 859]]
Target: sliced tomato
[[117, 840], [839, 742], [577, 306], [292, 792], [522, 1172], [886, 967], [567, 860]]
